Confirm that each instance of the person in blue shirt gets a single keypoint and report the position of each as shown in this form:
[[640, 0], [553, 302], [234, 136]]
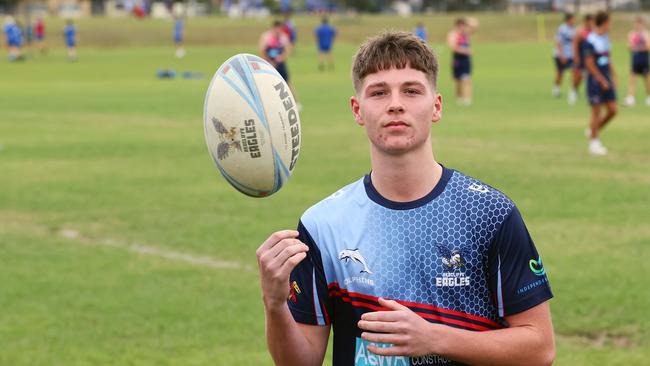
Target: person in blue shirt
[[420, 31], [70, 35], [13, 35], [601, 81], [563, 55], [414, 261], [179, 25], [325, 35]]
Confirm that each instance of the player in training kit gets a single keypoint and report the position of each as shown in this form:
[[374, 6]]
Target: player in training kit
[[70, 36], [325, 35], [39, 34], [420, 31], [639, 42], [275, 47], [579, 42], [458, 41], [179, 26], [563, 55], [601, 81], [413, 262]]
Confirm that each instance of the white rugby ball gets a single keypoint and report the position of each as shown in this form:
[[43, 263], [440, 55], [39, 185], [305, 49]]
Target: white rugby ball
[[251, 125]]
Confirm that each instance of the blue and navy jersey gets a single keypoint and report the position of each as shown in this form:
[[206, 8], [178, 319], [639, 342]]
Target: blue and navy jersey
[[598, 46], [565, 34], [460, 256], [325, 35]]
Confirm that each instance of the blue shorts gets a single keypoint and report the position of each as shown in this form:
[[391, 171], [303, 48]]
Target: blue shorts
[[461, 67], [596, 94], [640, 63], [178, 39], [324, 48], [282, 69], [561, 67], [39, 37], [70, 43]]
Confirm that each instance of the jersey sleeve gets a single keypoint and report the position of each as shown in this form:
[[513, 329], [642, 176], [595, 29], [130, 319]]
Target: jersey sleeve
[[517, 278], [309, 299], [588, 49]]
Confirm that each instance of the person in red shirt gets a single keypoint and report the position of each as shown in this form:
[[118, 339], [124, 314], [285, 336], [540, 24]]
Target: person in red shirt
[[39, 34]]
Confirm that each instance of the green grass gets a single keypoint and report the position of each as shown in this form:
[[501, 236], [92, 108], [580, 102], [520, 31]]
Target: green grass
[[103, 150]]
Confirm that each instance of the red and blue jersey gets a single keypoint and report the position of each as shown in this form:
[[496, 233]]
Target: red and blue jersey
[[460, 256]]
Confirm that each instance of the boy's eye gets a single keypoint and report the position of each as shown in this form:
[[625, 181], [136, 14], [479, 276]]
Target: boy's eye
[[412, 91]]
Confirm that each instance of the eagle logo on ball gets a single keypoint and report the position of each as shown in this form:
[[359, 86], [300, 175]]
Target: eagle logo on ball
[[228, 138]]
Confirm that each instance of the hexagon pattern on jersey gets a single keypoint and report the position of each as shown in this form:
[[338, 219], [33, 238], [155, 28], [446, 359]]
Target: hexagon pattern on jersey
[[410, 246]]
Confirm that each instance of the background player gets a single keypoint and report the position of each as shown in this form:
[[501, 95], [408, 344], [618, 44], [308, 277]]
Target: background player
[[275, 47], [179, 26], [373, 239], [563, 55], [639, 42], [39, 34], [70, 35], [601, 81], [579, 42], [420, 31], [325, 35], [458, 41]]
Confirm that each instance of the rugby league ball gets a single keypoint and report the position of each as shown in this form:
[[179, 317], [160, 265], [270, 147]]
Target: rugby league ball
[[251, 125]]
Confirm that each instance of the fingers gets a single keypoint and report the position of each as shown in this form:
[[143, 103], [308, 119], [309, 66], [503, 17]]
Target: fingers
[[387, 351], [392, 304], [394, 339], [380, 327], [275, 238]]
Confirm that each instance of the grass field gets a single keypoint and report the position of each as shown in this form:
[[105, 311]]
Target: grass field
[[120, 244]]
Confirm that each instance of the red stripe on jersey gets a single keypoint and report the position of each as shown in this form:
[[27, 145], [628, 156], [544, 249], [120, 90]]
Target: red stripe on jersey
[[346, 295]]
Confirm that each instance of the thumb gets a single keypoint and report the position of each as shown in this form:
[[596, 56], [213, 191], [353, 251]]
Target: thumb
[[392, 304]]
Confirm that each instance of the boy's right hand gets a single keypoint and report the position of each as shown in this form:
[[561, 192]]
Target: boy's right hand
[[276, 258]]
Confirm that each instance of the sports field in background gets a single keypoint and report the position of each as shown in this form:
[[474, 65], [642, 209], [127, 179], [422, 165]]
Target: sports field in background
[[120, 244]]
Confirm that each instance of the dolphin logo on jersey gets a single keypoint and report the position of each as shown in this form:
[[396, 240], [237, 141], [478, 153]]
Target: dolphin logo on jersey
[[353, 254]]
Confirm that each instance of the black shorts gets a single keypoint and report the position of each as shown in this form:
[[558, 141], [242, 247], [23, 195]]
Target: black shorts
[[640, 63], [561, 67], [282, 69], [461, 67], [596, 94]]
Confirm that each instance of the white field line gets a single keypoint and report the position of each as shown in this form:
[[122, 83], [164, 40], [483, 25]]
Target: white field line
[[192, 259]]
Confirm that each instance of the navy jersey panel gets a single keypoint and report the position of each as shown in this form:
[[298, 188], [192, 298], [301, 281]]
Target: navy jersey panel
[[308, 300], [433, 255], [518, 280]]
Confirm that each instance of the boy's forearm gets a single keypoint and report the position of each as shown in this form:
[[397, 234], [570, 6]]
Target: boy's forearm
[[287, 344]]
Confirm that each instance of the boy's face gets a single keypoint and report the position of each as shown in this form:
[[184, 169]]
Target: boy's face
[[397, 108]]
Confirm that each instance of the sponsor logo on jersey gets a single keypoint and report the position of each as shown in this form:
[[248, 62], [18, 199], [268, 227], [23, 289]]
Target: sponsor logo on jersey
[[294, 290], [455, 277], [353, 255], [363, 357], [537, 266], [478, 188]]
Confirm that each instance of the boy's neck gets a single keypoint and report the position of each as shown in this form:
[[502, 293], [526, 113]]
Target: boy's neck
[[405, 178]]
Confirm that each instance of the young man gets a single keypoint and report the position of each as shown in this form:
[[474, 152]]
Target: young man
[[458, 41], [70, 35], [415, 263], [275, 47], [601, 81], [639, 41], [579, 42], [325, 35], [563, 55]]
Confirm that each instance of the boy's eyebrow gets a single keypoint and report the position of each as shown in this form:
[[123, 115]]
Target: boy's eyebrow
[[381, 84]]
